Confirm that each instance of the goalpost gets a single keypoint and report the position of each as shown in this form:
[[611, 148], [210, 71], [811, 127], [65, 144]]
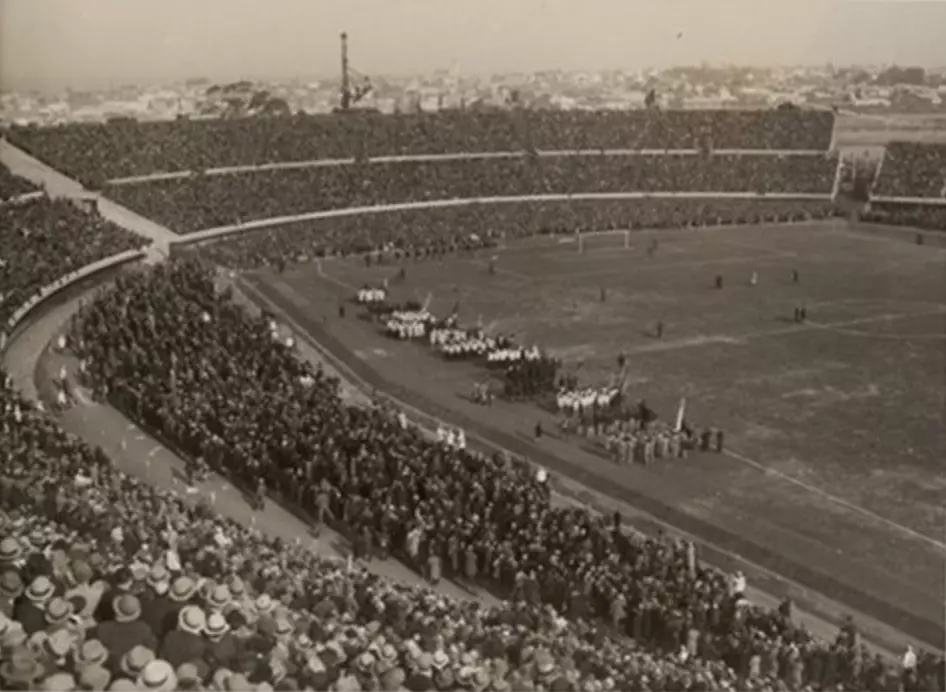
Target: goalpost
[[580, 238]]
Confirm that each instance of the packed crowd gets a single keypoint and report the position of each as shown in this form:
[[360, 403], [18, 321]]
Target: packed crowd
[[12, 185], [912, 169], [95, 153], [188, 363], [926, 216], [42, 240], [422, 232], [205, 201]]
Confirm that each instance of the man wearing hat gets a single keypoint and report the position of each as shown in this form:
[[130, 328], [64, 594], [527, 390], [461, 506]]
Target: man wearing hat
[[11, 588], [222, 649], [30, 611], [186, 644], [126, 630], [94, 677], [157, 609], [21, 670]]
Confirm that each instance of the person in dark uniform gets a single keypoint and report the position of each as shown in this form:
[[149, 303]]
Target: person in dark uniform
[[402, 274], [604, 294], [341, 310], [803, 313], [920, 239], [795, 276], [660, 330], [797, 314], [720, 439], [719, 281], [538, 430]]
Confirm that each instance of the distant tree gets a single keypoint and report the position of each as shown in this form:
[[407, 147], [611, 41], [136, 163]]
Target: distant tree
[[786, 106], [650, 100]]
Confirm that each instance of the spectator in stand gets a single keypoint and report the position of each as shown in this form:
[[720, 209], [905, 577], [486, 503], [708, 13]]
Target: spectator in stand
[[44, 239], [205, 201], [95, 153], [12, 186]]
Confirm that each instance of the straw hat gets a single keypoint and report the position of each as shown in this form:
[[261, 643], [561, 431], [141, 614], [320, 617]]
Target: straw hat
[[94, 677], [158, 676], [191, 619], [127, 608], [216, 626], [135, 660], [10, 550], [182, 589], [264, 604], [92, 652], [60, 682], [219, 597], [21, 667], [11, 585], [40, 590], [123, 685]]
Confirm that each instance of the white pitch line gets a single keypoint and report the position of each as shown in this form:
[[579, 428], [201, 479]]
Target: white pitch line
[[837, 500]]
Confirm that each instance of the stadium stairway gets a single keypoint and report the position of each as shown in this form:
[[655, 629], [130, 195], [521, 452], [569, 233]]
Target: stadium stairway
[[58, 185]]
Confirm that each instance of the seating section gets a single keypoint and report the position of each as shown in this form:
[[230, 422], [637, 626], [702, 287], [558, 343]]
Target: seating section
[[911, 169], [12, 185], [926, 216], [419, 232], [42, 240], [98, 152], [199, 202]]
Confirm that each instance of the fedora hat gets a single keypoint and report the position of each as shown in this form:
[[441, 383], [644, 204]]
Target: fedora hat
[[40, 590], [91, 653], [191, 619], [127, 608], [159, 676], [135, 660]]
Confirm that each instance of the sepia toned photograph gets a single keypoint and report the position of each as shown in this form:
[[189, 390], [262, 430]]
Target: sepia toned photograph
[[478, 346]]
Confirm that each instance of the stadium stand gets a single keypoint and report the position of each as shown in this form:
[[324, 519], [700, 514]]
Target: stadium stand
[[420, 232], [108, 583], [205, 201], [94, 153], [912, 169], [12, 185], [926, 216], [43, 239]]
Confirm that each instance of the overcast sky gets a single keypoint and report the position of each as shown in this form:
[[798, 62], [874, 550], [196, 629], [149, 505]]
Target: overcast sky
[[94, 43]]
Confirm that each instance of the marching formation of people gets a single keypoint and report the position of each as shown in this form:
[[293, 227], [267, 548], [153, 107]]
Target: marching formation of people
[[196, 203], [150, 350], [98, 152], [369, 294]]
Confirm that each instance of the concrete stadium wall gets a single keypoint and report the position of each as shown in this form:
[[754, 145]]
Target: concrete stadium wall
[[223, 231], [18, 320]]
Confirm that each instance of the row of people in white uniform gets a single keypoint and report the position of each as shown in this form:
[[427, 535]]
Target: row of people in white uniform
[[507, 356], [458, 343], [451, 437], [368, 295], [409, 324], [574, 402]]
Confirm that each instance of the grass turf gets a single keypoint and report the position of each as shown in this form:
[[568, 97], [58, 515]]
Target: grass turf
[[834, 426]]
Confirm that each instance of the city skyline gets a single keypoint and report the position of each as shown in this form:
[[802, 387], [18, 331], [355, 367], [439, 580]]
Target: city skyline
[[105, 43]]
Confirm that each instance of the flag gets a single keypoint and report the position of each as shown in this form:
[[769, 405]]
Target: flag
[[680, 413]]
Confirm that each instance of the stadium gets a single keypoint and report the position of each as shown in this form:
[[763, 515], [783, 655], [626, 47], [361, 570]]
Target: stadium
[[164, 432]]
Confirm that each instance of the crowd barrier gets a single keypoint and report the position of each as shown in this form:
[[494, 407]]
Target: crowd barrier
[[222, 231], [16, 320]]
